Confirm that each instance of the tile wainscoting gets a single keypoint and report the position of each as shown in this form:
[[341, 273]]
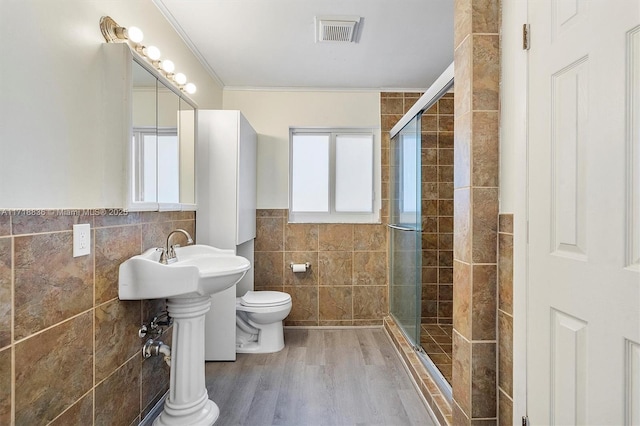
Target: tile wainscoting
[[69, 349], [347, 282]]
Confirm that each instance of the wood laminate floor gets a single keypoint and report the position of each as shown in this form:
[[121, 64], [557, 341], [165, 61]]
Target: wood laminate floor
[[322, 377]]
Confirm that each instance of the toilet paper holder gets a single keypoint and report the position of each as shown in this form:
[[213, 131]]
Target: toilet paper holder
[[300, 267]]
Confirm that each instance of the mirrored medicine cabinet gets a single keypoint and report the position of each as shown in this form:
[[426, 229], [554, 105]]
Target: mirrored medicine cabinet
[[162, 146], [158, 127]]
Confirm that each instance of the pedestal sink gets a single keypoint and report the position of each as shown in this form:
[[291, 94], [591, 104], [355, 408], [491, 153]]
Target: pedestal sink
[[188, 283]]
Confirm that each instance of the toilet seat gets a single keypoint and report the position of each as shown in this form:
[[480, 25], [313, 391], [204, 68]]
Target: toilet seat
[[264, 299]]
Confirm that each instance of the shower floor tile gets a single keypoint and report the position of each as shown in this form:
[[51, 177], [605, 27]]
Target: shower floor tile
[[436, 340]]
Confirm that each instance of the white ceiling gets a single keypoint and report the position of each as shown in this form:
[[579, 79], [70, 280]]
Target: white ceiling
[[403, 45]]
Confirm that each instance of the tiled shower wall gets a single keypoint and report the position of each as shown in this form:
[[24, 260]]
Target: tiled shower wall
[[437, 212], [347, 281], [69, 348], [437, 197]]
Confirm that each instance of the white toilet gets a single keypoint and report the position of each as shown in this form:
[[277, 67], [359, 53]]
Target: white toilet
[[259, 316]]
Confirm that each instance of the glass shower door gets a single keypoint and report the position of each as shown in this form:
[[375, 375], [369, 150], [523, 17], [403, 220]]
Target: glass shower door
[[405, 234]]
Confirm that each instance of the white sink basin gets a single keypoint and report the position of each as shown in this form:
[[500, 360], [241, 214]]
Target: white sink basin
[[199, 271]]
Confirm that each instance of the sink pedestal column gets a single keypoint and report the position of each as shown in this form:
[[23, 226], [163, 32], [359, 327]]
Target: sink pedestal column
[[188, 402]]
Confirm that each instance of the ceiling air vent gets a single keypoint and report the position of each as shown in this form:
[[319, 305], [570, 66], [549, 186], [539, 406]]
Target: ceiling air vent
[[336, 28]]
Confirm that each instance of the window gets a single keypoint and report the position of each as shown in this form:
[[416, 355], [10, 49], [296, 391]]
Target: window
[[157, 169], [332, 176]]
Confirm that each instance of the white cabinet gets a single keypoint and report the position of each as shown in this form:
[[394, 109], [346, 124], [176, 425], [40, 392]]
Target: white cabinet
[[226, 160], [226, 217]]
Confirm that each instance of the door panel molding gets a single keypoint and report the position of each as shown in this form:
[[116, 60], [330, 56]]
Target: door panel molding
[[633, 149], [632, 391], [569, 369], [569, 136]]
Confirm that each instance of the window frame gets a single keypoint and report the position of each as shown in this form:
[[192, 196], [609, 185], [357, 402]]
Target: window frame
[[333, 216]]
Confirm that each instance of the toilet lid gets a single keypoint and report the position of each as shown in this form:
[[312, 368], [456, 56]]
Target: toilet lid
[[265, 298]]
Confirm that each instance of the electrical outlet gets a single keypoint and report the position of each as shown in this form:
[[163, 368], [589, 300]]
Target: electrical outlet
[[81, 239]]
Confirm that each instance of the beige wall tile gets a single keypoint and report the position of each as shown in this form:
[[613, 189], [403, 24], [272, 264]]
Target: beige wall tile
[[462, 225], [505, 353], [486, 157], [483, 380], [112, 247], [486, 72], [483, 308], [459, 418], [486, 16], [117, 324], [49, 221], [462, 290], [389, 120], [462, 21], [64, 351], [505, 272], [5, 291], [308, 278], [370, 302], [118, 397], [369, 268], [335, 268], [271, 213], [505, 409], [300, 237], [81, 413], [119, 218], [461, 374], [370, 237], [391, 105], [304, 310], [462, 151], [45, 295], [154, 234], [5, 386], [5, 224], [269, 234], [505, 224], [187, 225], [485, 225], [463, 59], [269, 269], [335, 237], [336, 303]]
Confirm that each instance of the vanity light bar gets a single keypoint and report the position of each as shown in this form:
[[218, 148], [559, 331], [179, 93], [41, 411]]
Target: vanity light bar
[[114, 33]]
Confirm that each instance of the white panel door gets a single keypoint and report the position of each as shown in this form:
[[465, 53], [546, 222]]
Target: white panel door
[[583, 324]]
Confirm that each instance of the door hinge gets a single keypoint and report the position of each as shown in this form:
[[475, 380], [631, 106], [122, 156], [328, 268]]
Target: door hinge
[[525, 421], [526, 39]]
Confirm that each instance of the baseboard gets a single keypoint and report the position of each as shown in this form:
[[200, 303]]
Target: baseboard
[[332, 327], [155, 411]]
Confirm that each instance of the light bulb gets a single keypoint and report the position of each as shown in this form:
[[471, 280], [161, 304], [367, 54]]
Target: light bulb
[[190, 88], [180, 78], [151, 52], [168, 66], [135, 34]]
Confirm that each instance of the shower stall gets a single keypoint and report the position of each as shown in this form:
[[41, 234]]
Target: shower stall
[[421, 227]]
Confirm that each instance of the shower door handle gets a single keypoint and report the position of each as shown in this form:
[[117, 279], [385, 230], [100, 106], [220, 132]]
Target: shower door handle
[[400, 228]]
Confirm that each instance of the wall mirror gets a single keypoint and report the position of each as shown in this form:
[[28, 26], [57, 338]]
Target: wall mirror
[[162, 144]]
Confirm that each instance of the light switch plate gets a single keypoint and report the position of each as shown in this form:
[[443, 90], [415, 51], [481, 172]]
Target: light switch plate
[[81, 239]]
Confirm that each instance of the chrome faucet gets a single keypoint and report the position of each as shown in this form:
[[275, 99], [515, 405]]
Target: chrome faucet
[[169, 252]]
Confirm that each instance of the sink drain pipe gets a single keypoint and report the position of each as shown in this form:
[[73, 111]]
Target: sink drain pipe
[[156, 348]]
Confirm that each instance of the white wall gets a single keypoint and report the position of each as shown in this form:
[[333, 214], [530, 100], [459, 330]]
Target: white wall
[[513, 179], [57, 149], [271, 113]]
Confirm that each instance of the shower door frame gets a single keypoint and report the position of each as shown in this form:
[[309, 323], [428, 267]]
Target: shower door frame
[[431, 96]]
